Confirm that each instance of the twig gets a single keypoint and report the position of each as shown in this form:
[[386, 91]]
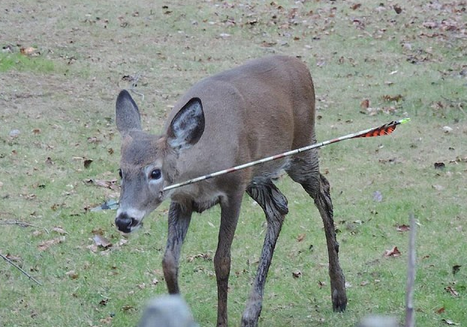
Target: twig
[[409, 309], [20, 269], [22, 224]]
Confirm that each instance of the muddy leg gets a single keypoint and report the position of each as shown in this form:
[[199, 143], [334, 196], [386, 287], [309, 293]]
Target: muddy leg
[[320, 192], [274, 205], [179, 221]]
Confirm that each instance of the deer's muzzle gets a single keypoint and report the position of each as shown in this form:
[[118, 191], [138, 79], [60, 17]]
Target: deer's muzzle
[[125, 223]]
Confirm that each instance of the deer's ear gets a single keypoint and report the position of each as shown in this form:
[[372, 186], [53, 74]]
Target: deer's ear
[[187, 126], [127, 113]]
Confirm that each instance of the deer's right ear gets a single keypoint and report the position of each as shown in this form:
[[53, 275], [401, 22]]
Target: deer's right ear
[[187, 126], [127, 113]]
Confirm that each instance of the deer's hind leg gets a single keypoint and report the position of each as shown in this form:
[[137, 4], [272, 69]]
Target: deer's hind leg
[[304, 169], [274, 205]]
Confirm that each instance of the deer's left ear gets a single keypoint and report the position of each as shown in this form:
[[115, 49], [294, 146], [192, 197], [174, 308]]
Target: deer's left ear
[[187, 126], [127, 113]]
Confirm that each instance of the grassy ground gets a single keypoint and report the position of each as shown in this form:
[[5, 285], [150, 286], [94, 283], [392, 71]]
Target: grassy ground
[[371, 62]]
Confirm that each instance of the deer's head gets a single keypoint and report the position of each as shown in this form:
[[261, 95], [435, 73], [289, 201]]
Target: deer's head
[[148, 162]]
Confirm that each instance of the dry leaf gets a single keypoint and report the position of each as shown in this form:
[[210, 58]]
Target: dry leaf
[[106, 321], [365, 104], [28, 51], [456, 269], [402, 228], [300, 237], [394, 252], [13, 258], [127, 307], [87, 163], [449, 322], [46, 244], [59, 230], [297, 274], [49, 161], [101, 241], [452, 291], [440, 310], [72, 274]]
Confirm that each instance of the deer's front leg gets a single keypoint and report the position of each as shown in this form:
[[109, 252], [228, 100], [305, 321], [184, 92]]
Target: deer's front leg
[[230, 210], [179, 221]]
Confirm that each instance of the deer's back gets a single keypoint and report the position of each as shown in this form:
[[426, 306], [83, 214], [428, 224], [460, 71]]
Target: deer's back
[[259, 109]]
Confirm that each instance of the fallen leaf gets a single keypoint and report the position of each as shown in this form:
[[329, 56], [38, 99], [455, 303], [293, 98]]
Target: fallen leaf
[[28, 51], [127, 307], [13, 258], [394, 252], [397, 9], [49, 161], [106, 321], [452, 291], [46, 244], [402, 228], [87, 163], [440, 310], [393, 98], [297, 274], [59, 230], [72, 274], [456, 269], [103, 302], [447, 129], [101, 241], [204, 256], [300, 237], [365, 104], [439, 165]]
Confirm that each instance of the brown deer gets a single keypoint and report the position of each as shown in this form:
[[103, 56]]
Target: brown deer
[[262, 108]]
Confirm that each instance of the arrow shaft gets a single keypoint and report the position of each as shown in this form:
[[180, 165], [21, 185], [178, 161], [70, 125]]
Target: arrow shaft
[[371, 132]]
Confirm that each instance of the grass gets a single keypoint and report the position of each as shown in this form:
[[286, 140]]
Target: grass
[[23, 63], [63, 105]]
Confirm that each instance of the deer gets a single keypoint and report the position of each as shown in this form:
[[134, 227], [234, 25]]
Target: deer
[[261, 108]]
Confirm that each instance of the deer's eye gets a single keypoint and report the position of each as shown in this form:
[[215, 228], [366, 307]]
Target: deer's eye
[[120, 173], [155, 174]]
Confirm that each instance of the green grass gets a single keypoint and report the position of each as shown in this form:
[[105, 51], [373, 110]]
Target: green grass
[[24, 63], [63, 105]]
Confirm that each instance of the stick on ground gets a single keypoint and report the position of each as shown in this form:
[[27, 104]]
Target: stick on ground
[[20, 269], [409, 309]]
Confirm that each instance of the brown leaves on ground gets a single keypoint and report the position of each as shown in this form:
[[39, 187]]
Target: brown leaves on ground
[[394, 253], [451, 291], [402, 228], [29, 51], [47, 244], [110, 184], [101, 241]]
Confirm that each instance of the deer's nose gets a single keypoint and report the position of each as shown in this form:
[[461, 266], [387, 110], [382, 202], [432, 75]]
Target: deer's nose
[[125, 223]]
